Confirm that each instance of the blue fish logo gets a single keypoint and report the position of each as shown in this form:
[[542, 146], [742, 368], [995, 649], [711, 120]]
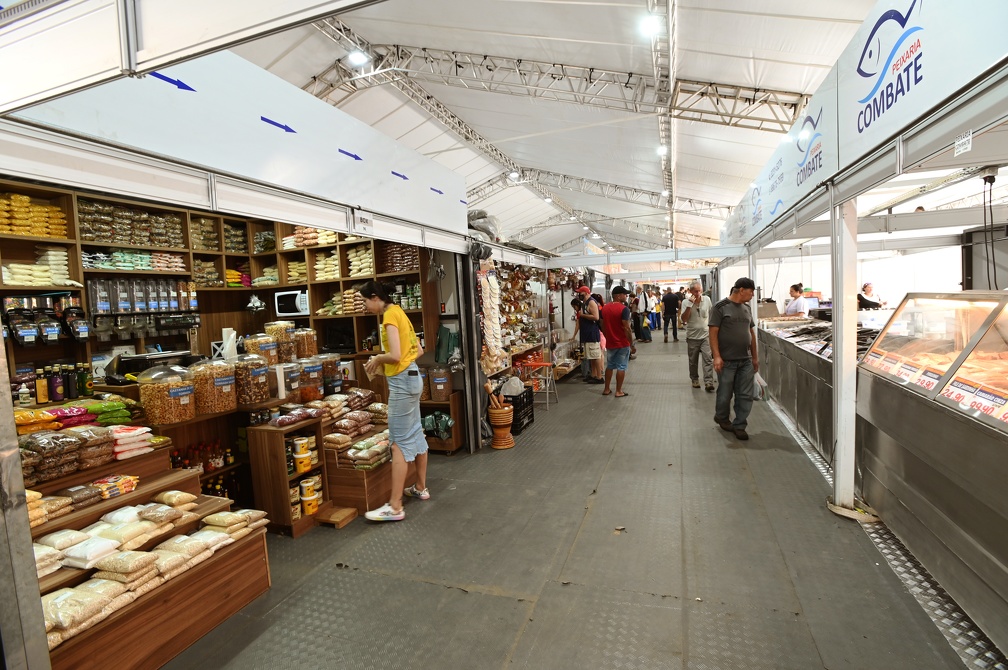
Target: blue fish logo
[[811, 134], [890, 29], [755, 199]]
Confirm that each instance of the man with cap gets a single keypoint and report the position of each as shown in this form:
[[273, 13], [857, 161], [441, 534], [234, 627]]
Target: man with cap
[[619, 339], [588, 327], [733, 346]]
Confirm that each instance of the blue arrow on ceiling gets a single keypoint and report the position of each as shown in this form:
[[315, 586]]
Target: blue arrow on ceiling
[[284, 126], [439, 192], [181, 85], [401, 176], [463, 202], [353, 156]]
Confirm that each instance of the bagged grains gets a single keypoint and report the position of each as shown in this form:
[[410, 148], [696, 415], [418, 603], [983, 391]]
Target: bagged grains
[[127, 562], [61, 539], [106, 587], [174, 498], [185, 545]]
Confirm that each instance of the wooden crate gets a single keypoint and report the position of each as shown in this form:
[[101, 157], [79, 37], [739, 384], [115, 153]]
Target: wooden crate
[[362, 489]]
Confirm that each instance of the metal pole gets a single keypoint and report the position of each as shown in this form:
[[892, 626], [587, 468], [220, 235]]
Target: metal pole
[[21, 626], [469, 332], [843, 247], [753, 305]]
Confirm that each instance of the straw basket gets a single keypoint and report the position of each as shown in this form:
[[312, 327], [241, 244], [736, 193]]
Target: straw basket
[[500, 421]]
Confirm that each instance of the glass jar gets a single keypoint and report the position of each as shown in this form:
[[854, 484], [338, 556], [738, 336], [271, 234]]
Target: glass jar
[[251, 383], [263, 345], [284, 381], [305, 342], [311, 379], [214, 381], [166, 393], [332, 377], [283, 333]]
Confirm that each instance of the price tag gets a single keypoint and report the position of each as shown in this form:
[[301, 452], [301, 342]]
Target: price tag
[[889, 363], [989, 401], [827, 352], [184, 400], [961, 391], [907, 371], [874, 358], [929, 378]]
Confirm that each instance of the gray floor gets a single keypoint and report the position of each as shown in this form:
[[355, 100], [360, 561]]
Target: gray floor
[[728, 557]]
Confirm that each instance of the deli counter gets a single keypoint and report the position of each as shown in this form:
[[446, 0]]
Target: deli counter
[[932, 443]]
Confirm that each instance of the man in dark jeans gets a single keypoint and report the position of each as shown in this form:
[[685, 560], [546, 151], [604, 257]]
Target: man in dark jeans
[[670, 307], [733, 346]]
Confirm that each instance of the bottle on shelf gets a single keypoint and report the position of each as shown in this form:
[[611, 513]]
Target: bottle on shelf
[[41, 387], [69, 382], [55, 383], [24, 395], [229, 458]]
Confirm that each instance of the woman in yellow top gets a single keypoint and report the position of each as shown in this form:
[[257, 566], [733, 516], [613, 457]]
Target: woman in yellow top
[[400, 350]]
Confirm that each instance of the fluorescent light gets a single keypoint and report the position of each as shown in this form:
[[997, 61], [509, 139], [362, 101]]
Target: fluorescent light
[[651, 26], [547, 200], [585, 227], [573, 218], [662, 150], [358, 57]]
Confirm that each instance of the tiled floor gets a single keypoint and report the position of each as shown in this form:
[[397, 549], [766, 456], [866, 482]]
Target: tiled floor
[[727, 557]]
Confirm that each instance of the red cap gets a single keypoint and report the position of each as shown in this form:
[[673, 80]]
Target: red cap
[[584, 289]]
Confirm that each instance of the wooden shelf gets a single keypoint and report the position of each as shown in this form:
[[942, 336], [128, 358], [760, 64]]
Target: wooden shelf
[[207, 252], [220, 471], [45, 289], [145, 271], [143, 466], [335, 316], [313, 469], [262, 404], [115, 245], [201, 289], [199, 418], [286, 429], [399, 274], [524, 350], [38, 238], [436, 403]]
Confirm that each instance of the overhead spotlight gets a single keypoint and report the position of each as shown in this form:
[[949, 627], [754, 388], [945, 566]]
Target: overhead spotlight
[[662, 150], [664, 193], [513, 175], [547, 200], [573, 218], [585, 228], [596, 236], [357, 58], [668, 218], [651, 25]]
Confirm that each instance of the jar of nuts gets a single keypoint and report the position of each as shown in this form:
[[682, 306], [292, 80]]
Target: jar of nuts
[[283, 333], [332, 378], [311, 379], [251, 382], [263, 345], [305, 342], [214, 381], [284, 379], [166, 393]]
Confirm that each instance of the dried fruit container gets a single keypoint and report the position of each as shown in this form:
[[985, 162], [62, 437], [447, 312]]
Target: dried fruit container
[[166, 393]]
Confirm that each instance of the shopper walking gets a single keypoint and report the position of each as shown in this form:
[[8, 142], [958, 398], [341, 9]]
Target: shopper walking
[[695, 314], [636, 307], [733, 345], [588, 328], [619, 337], [397, 362], [670, 302]]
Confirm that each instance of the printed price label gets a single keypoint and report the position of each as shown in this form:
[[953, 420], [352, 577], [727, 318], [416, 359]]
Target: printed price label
[[889, 363], [224, 381], [141, 306], [184, 400], [258, 372], [989, 401], [173, 304], [181, 392], [929, 378], [907, 371], [961, 391], [874, 358]]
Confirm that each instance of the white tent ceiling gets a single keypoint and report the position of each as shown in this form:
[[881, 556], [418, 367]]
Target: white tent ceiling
[[783, 46]]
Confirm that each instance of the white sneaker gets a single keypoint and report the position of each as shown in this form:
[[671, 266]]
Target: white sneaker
[[412, 492], [385, 513]]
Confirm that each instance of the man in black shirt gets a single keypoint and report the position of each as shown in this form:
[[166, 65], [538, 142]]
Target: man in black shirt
[[733, 346], [670, 306]]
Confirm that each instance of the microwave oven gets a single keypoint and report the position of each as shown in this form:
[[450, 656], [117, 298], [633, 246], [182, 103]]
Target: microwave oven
[[291, 303]]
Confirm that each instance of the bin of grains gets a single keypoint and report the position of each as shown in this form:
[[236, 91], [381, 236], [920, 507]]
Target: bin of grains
[[440, 382], [166, 393], [263, 345], [214, 381], [283, 333], [425, 381], [305, 342], [251, 382], [332, 378], [311, 379]]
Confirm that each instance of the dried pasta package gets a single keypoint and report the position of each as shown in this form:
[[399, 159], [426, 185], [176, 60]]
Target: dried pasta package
[[183, 544], [168, 560], [73, 607], [62, 539], [213, 539], [127, 561], [89, 552], [223, 519], [115, 485], [174, 498], [158, 513], [106, 587]]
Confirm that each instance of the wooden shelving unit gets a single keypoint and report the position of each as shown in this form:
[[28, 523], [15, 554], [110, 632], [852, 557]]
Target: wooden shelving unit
[[454, 407]]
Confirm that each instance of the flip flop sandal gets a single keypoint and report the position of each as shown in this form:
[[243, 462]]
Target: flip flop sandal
[[625, 394]]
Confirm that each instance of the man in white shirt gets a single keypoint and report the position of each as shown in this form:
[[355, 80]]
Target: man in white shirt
[[696, 311]]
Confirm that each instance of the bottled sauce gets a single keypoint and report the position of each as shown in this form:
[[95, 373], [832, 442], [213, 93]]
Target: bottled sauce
[[85, 380], [229, 458], [55, 383], [24, 395], [41, 387], [69, 382], [176, 459]]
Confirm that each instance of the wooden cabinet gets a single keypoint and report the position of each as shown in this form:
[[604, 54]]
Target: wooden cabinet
[[273, 484], [455, 408]]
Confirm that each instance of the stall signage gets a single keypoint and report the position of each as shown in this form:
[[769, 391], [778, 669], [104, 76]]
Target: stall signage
[[907, 371], [929, 378], [961, 391], [964, 142]]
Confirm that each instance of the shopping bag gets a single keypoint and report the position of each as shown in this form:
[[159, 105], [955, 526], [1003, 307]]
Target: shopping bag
[[759, 387]]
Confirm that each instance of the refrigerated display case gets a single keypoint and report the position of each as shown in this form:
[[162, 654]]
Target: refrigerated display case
[[932, 434]]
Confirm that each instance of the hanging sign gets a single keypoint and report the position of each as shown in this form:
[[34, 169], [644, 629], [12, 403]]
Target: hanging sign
[[362, 224], [964, 142]]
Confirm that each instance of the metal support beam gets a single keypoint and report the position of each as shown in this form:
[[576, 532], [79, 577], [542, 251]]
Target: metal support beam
[[893, 244], [662, 256], [936, 185], [737, 106], [844, 243]]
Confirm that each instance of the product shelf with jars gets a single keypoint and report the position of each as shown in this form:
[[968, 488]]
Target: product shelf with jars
[[281, 474]]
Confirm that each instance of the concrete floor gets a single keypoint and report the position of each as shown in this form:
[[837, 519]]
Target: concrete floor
[[728, 557]]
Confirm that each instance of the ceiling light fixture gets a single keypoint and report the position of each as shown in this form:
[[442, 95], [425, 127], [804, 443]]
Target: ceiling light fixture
[[513, 175], [585, 227], [547, 200], [651, 25], [662, 150], [664, 193], [573, 218], [357, 58]]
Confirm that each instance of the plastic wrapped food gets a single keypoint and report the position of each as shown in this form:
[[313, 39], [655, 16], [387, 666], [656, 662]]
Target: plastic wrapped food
[[174, 498], [185, 545], [87, 553], [29, 459], [360, 416], [50, 443], [212, 538], [125, 532], [53, 503], [105, 587], [68, 607], [125, 514], [127, 562], [81, 493], [346, 427], [90, 436], [97, 450], [24, 417], [115, 485], [158, 513], [168, 561], [224, 519]]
